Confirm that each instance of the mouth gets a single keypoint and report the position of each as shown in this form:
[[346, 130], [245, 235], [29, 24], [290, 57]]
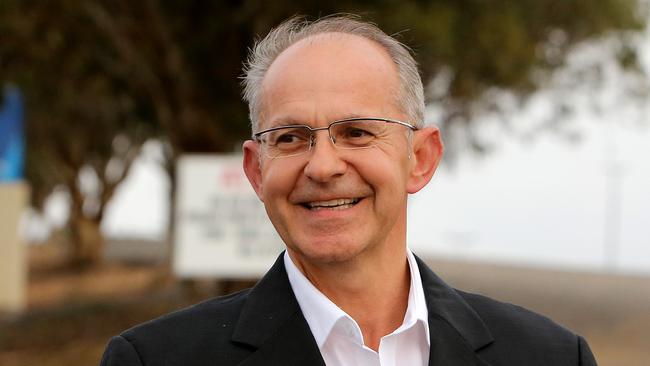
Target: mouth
[[335, 204]]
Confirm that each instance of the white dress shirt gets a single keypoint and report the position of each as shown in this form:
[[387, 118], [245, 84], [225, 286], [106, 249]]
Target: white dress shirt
[[339, 337]]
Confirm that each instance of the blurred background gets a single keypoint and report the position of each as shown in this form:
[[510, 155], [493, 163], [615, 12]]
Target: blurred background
[[121, 196]]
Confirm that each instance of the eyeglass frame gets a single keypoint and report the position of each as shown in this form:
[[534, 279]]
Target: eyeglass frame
[[257, 135]]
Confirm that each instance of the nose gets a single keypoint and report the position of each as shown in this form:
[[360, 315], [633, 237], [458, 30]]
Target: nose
[[324, 161]]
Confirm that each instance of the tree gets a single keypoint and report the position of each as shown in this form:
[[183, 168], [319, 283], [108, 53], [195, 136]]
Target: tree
[[83, 129], [125, 71]]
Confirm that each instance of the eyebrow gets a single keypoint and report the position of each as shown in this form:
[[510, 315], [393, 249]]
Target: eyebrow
[[284, 121], [289, 120], [351, 115]]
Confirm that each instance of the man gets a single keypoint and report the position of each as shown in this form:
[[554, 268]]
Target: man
[[338, 144]]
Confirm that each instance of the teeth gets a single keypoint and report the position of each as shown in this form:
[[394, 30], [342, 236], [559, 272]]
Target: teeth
[[333, 203]]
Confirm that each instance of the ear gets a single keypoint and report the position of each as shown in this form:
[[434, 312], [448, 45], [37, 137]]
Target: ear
[[252, 166], [427, 153]]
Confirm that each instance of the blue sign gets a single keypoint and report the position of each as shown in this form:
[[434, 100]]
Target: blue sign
[[12, 144]]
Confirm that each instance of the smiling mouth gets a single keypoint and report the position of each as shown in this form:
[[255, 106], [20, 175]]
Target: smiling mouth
[[336, 204]]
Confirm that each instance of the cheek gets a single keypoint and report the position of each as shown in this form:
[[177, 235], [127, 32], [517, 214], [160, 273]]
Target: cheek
[[389, 187], [278, 180], [385, 170]]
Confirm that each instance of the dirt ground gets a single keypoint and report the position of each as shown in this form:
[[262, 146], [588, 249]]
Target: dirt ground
[[72, 314]]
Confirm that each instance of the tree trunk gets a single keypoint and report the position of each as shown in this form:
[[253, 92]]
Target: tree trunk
[[87, 241], [86, 238], [170, 167]]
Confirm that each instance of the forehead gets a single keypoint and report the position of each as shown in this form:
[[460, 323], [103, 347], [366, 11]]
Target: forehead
[[329, 76]]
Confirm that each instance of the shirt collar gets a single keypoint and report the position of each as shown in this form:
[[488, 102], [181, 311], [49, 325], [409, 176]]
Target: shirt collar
[[319, 311], [322, 314], [416, 310]]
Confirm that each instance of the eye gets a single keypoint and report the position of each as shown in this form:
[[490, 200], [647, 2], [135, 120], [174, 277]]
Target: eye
[[289, 136], [286, 138], [357, 133], [357, 130]]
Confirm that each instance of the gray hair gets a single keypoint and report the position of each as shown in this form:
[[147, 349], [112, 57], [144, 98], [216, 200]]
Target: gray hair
[[410, 95]]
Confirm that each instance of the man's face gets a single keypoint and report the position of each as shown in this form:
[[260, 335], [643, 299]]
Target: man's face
[[328, 204]]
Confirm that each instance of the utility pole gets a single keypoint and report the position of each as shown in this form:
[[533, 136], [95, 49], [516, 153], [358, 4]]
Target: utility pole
[[613, 203]]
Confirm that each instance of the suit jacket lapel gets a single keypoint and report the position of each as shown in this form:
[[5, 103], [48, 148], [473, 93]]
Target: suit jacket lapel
[[272, 325], [455, 330], [448, 347], [293, 344]]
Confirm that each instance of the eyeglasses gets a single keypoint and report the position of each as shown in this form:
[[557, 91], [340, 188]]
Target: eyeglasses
[[350, 133]]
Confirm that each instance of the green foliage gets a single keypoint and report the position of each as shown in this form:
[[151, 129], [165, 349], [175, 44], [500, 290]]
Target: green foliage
[[498, 44]]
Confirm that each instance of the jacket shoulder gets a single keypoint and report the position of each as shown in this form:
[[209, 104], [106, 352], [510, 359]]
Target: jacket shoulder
[[521, 335], [200, 332], [510, 318], [224, 308]]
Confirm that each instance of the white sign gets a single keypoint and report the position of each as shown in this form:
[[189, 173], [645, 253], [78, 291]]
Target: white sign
[[222, 229]]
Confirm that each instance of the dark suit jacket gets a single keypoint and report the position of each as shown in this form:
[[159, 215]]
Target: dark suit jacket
[[264, 326]]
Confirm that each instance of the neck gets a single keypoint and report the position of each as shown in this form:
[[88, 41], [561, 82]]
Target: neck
[[374, 294]]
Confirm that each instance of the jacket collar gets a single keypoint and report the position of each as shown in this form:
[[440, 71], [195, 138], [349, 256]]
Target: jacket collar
[[272, 325], [456, 330]]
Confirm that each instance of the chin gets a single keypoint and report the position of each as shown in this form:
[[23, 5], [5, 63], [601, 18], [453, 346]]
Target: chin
[[329, 251]]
